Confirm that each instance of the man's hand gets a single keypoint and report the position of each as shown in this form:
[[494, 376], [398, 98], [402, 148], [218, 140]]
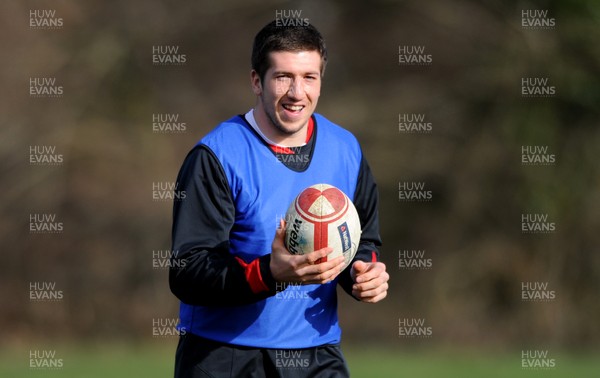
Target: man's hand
[[370, 281], [289, 268]]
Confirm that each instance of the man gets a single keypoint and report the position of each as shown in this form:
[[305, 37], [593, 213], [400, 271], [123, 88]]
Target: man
[[248, 306]]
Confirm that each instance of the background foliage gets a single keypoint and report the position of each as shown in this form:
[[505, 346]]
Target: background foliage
[[471, 160]]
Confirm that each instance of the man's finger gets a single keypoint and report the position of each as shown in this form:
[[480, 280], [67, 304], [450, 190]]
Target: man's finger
[[316, 269], [371, 291], [369, 285], [375, 299], [315, 256], [323, 272], [278, 241]]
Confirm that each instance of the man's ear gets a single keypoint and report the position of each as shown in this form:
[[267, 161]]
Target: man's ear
[[256, 83]]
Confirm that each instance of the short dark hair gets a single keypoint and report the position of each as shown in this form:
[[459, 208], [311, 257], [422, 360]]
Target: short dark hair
[[275, 37]]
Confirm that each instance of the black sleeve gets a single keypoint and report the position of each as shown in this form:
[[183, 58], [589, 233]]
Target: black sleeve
[[202, 270], [366, 201]]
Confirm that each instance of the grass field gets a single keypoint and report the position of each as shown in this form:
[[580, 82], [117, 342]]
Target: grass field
[[156, 360]]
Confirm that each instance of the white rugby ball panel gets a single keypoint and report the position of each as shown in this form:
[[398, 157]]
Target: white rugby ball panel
[[320, 216]]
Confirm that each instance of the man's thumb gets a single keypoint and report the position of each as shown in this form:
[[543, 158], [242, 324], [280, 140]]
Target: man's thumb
[[359, 266]]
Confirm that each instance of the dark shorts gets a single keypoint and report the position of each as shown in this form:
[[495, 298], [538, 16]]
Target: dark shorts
[[199, 357]]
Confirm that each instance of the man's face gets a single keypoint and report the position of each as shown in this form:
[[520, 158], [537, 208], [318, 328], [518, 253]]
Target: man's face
[[290, 90]]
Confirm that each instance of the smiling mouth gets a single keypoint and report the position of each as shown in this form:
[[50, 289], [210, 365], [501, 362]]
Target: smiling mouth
[[293, 108]]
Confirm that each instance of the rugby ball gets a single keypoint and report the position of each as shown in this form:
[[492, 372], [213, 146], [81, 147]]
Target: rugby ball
[[323, 216]]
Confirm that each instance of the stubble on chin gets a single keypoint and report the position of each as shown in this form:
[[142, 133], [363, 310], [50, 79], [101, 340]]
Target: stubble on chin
[[279, 126]]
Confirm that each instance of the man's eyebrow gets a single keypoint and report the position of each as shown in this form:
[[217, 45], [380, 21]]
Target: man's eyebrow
[[282, 72]]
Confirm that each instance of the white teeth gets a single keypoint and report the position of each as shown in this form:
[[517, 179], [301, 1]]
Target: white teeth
[[294, 107]]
